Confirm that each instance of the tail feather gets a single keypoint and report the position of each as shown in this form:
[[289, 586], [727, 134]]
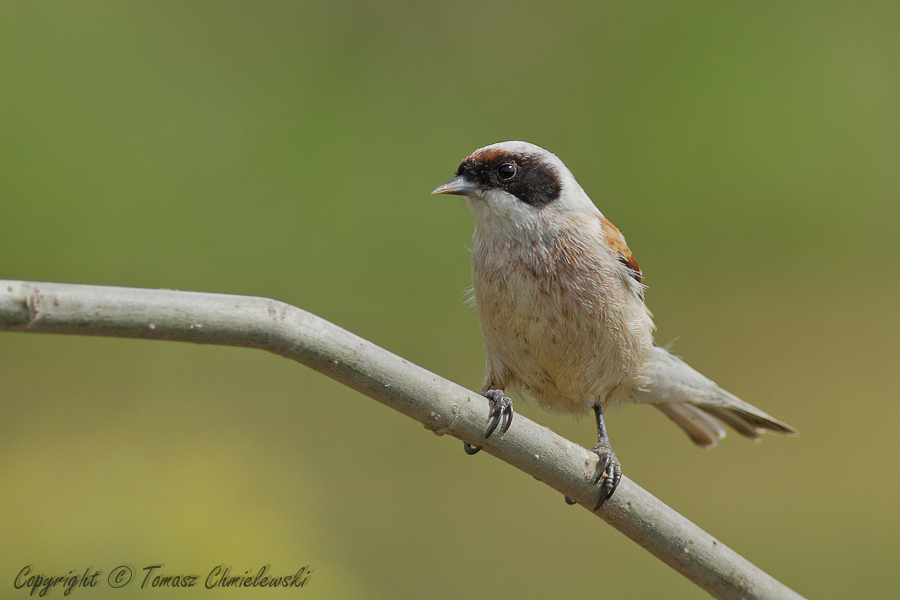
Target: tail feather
[[700, 427], [734, 420], [697, 404], [737, 409]]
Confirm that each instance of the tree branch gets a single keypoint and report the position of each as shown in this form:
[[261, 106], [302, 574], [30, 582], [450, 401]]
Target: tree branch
[[441, 405]]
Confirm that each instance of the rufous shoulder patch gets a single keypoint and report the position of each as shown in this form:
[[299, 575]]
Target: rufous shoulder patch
[[616, 241]]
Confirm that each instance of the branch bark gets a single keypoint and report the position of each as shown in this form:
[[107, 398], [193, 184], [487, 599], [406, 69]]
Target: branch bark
[[440, 405]]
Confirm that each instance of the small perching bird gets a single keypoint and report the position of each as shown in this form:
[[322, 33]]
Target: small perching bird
[[561, 302]]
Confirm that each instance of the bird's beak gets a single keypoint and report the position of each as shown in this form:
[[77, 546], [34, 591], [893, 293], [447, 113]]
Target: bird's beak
[[459, 186]]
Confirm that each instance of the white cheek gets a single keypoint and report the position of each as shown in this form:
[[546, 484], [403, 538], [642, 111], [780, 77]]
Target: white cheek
[[498, 212]]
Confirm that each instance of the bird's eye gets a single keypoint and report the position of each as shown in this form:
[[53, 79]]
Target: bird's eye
[[506, 170]]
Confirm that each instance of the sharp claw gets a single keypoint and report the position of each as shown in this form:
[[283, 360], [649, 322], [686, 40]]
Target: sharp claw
[[494, 418], [608, 473], [606, 491], [470, 449], [569, 501], [501, 412], [500, 416]]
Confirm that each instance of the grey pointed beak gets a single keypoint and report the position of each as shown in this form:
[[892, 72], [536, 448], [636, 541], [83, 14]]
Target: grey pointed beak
[[459, 186]]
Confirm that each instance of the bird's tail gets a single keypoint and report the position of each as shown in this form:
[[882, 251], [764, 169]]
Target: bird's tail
[[698, 405]]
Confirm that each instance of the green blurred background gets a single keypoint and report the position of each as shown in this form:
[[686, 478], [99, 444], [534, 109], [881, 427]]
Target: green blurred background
[[748, 151]]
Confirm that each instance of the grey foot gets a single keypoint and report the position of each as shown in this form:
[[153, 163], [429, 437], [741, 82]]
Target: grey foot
[[501, 413], [608, 473]]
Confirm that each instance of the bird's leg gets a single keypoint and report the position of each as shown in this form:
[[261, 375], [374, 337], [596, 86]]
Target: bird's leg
[[609, 471], [501, 412]]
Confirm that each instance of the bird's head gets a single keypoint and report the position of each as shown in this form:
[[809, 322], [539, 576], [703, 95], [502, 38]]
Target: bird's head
[[517, 184]]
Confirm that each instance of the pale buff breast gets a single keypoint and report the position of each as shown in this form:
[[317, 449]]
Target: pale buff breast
[[557, 319]]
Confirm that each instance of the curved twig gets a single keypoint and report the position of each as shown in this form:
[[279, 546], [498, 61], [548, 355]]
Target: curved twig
[[439, 404]]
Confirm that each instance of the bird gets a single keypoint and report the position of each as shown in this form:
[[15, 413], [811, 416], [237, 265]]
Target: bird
[[560, 298]]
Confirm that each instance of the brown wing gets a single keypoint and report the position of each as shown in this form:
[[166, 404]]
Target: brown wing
[[616, 241]]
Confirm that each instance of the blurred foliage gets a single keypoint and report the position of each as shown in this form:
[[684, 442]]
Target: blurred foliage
[[748, 151]]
